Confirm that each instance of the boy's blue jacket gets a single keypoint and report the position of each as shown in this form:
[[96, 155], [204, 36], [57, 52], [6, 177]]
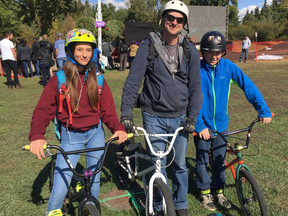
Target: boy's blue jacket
[[215, 81]]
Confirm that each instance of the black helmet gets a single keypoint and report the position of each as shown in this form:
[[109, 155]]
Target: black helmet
[[213, 41]]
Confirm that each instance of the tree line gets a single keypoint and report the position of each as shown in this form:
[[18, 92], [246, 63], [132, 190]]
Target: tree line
[[30, 18]]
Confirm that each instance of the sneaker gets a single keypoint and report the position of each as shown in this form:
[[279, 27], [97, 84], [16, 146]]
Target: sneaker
[[10, 87], [223, 201], [207, 201], [182, 212]]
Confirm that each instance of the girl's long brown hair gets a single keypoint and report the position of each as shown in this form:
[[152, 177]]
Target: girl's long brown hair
[[72, 82]]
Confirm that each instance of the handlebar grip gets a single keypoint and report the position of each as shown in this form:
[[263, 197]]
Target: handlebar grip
[[27, 147], [130, 135], [194, 134]]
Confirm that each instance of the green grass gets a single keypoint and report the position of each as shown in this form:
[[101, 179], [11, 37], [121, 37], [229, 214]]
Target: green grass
[[24, 179]]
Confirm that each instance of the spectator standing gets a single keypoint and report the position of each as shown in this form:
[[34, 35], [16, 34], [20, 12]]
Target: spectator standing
[[43, 57], [34, 50], [9, 61], [60, 54], [24, 55], [45, 43], [216, 77], [123, 50], [171, 95], [246, 43], [132, 51], [107, 50]]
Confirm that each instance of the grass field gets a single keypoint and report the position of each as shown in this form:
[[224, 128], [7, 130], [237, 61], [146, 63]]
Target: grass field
[[24, 179]]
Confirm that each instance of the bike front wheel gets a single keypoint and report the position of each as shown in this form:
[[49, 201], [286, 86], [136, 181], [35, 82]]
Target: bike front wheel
[[250, 195], [161, 192], [90, 209]]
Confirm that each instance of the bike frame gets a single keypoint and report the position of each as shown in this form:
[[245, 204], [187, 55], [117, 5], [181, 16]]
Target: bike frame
[[237, 150], [156, 167]]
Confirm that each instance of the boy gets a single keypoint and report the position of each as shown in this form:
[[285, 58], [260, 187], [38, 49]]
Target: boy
[[216, 76]]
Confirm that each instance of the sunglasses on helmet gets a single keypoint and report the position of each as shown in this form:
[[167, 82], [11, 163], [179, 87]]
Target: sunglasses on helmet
[[170, 18]]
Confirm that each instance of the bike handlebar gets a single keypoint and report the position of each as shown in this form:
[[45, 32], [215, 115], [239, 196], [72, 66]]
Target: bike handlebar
[[65, 155], [224, 135], [160, 136]]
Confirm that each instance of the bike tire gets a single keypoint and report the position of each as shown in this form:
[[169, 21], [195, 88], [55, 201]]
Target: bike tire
[[250, 195], [89, 209], [163, 189]]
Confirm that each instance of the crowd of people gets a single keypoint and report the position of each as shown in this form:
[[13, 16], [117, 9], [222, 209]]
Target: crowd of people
[[179, 90]]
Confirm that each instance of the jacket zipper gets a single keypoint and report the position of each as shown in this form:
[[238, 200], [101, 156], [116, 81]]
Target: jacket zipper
[[214, 96]]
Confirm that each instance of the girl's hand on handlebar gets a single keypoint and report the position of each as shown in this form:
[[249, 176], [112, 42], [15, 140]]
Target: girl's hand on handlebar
[[36, 147], [266, 120], [122, 136], [205, 134]]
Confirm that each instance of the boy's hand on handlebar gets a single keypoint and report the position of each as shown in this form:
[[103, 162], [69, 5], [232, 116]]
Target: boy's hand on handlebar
[[122, 136], [205, 134], [36, 147], [266, 120], [188, 125]]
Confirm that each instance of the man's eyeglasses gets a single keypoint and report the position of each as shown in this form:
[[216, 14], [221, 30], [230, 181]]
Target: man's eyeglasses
[[170, 18]]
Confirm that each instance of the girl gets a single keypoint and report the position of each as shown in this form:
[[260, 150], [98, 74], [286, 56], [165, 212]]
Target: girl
[[82, 127]]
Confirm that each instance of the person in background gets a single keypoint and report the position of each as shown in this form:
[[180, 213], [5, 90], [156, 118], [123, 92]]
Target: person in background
[[34, 50], [132, 51], [59, 47], [107, 50], [24, 55], [89, 113], [123, 50], [246, 43], [216, 76], [171, 95], [43, 56], [9, 61], [49, 47]]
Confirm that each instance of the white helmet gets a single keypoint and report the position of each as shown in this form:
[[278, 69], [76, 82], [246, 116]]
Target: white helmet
[[176, 5]]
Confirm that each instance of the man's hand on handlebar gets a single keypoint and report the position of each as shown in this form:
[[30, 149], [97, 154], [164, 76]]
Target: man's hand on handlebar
[[36, 147], [188, 125], [128, 123]]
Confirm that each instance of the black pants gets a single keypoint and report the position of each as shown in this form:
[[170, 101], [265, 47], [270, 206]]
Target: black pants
[[8, 66]]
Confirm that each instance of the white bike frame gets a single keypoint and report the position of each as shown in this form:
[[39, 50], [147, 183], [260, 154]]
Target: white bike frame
[[156, 167]]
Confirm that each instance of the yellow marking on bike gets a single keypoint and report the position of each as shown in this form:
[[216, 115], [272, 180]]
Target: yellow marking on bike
[[56, 212]]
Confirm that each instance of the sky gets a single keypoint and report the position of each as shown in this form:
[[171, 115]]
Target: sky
[[243, 5]]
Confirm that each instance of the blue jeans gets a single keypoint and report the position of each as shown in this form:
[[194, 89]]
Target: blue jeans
[[61, 62], [45, 72], [24, 64], [37, 67], [157, 125], [76, 140], [218, 150], [246, 55]]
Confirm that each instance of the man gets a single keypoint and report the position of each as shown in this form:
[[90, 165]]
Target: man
[[9, 61], [123, 50], [246, 43], [49, 47], [171, 94], [107, 49], [34, 50], [59, 47]]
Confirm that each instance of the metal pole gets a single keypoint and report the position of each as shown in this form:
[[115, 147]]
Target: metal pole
[[99, 18], [256, 34]]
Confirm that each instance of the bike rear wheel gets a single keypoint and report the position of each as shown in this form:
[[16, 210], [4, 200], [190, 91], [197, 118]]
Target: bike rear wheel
[[160, 188], [250, 195], [89, 209]]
